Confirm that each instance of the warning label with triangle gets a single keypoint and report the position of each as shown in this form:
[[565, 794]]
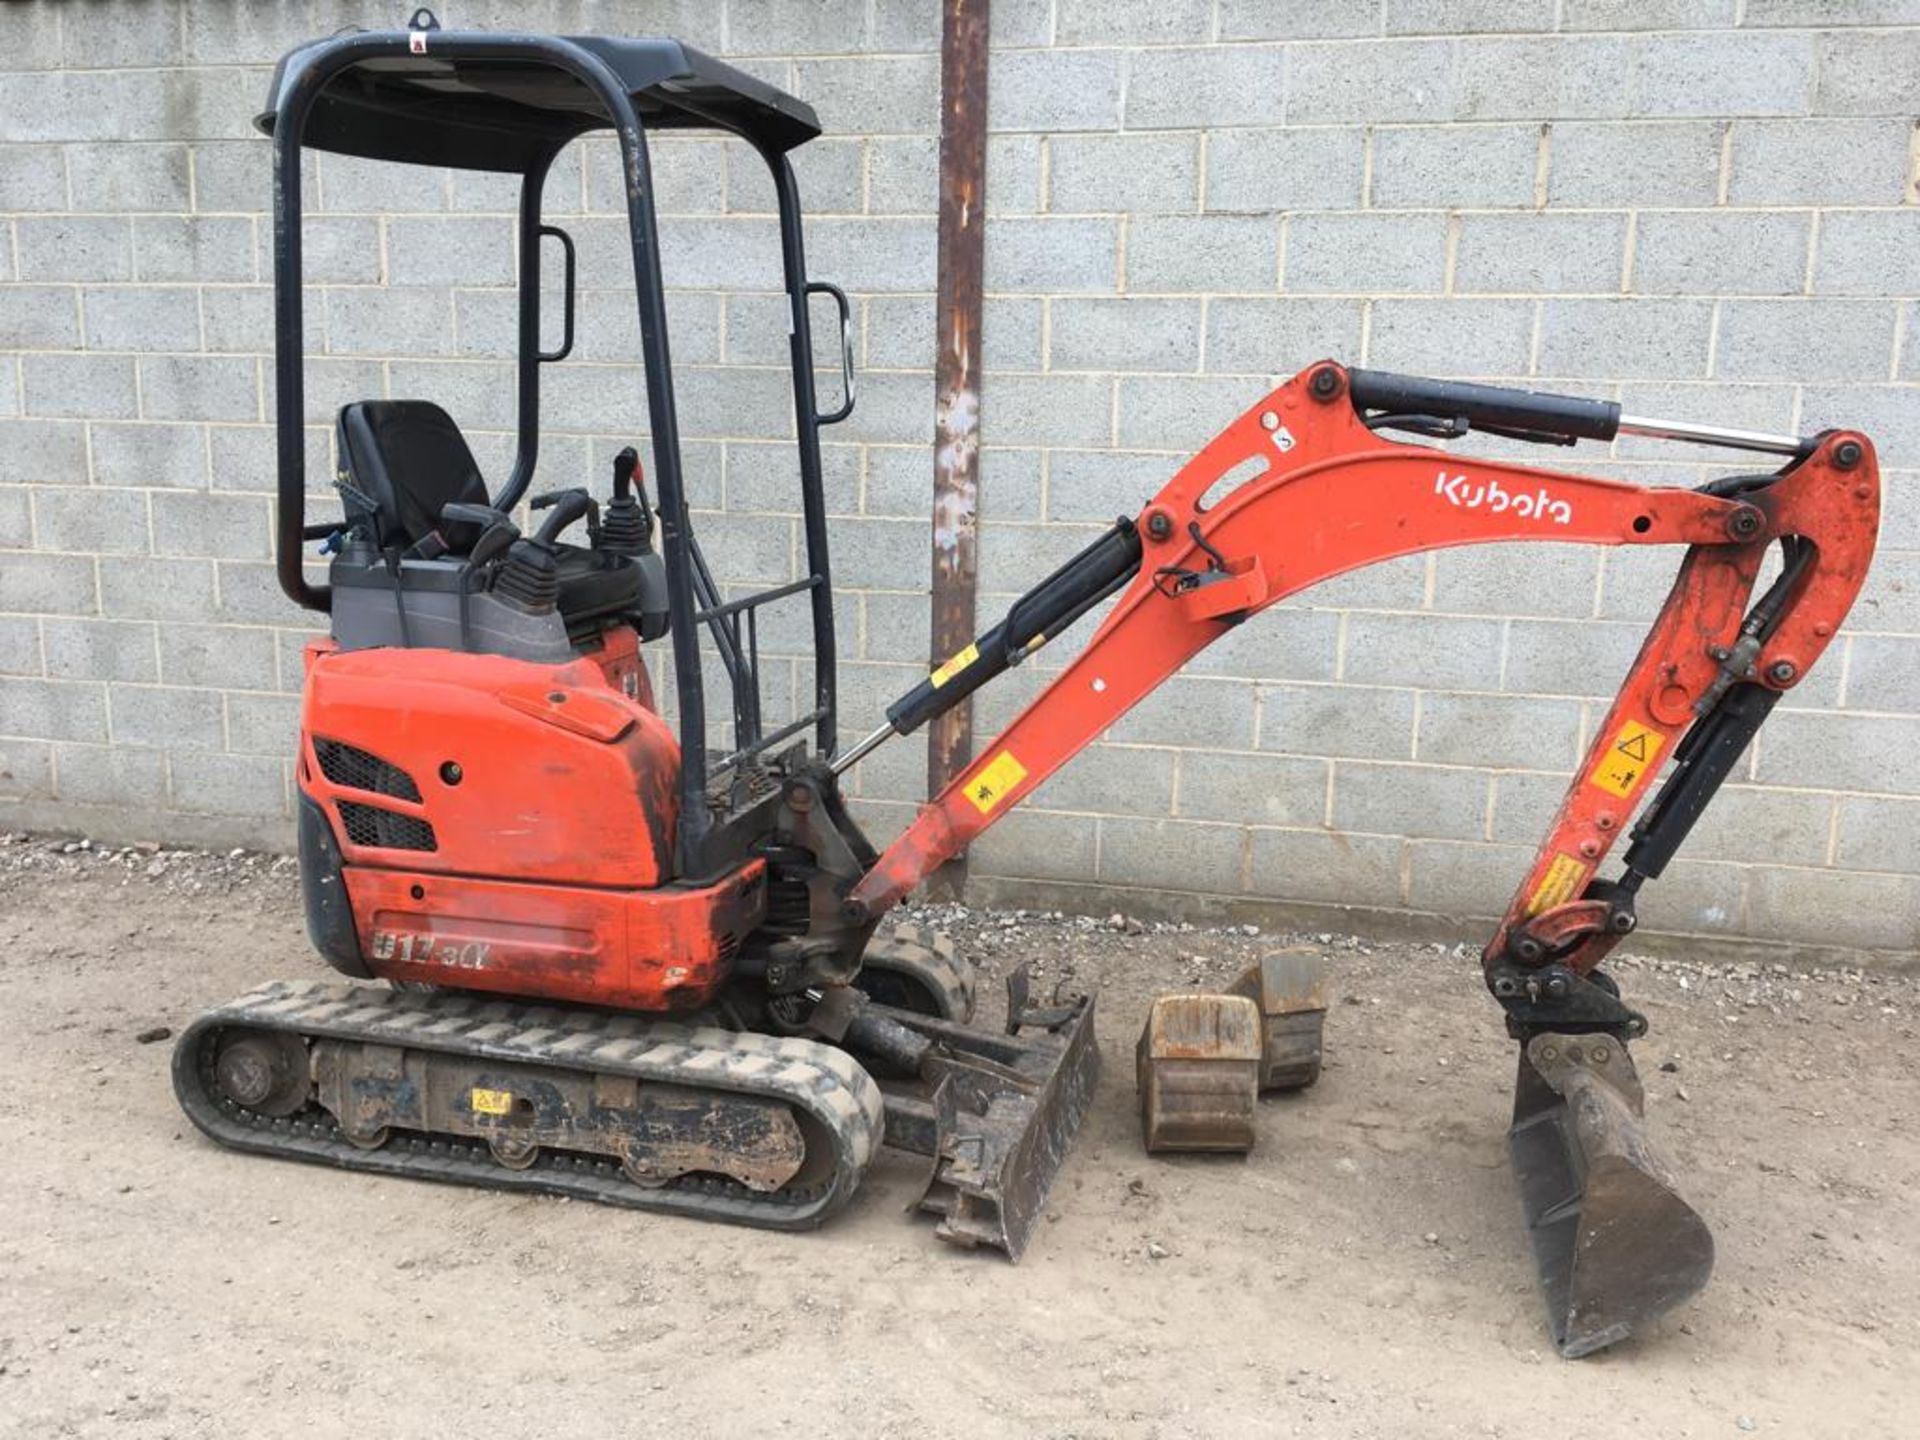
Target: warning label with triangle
[[1628, 760]]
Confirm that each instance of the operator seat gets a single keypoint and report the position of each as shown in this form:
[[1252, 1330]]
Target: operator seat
[[408, 460]]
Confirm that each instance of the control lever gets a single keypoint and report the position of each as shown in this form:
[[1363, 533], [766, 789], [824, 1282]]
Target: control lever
[[493, 541], [463, 512], [530, 577], [567, 506], [497, 532], [628, 526]]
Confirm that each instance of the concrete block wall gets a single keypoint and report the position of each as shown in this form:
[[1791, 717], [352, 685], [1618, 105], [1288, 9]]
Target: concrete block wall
[[1705, 210]]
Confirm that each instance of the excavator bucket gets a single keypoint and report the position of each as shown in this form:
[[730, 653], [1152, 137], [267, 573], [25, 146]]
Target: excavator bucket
[[1614, 1243]]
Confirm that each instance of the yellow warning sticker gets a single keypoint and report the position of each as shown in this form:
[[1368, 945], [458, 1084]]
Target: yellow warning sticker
[[992, 781], [1559, 885], [1629, 759], [491, 1102], [954, 666]]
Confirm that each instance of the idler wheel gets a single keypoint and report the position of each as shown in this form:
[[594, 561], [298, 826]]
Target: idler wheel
[[263, 1071]]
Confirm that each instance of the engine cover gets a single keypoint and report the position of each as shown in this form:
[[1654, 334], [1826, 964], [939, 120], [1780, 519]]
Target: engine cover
[[466, 764], [504, 825]]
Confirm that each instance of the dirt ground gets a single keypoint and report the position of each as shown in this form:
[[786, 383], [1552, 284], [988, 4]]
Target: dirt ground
[[1361, 1274]]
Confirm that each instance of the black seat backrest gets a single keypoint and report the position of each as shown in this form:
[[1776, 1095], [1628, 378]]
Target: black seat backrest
[[409, 459]]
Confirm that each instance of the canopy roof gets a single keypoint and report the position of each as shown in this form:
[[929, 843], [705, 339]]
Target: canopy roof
[[500, 112]]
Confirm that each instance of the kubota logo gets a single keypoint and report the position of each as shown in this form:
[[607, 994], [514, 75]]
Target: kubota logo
[[1494, 497]]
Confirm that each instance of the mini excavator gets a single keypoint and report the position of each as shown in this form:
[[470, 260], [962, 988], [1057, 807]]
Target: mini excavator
[[627, 964]]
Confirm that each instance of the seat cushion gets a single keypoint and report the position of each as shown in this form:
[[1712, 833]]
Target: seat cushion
[[410, 460]]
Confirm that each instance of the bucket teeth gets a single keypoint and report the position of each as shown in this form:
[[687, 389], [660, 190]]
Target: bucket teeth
[[1614, 1244]]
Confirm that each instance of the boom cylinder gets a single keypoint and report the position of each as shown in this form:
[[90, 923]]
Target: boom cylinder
[[1036, 617]]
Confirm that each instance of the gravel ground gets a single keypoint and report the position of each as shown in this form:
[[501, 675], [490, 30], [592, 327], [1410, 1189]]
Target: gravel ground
[[1362, 1273]]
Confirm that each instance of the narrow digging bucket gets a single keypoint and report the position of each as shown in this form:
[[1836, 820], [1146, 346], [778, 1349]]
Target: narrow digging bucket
[[1615, 1245]]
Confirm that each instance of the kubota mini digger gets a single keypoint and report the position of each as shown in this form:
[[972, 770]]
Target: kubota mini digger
[[629, 969]]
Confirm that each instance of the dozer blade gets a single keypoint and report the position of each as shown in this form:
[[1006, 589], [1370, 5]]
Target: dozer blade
[[1614, 1243], [996, 1115]]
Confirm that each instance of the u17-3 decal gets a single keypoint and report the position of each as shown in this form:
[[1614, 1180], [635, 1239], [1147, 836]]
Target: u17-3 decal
[[410, 948]]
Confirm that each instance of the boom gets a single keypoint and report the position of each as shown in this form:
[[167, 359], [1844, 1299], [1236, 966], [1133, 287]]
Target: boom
[[1325, 493]]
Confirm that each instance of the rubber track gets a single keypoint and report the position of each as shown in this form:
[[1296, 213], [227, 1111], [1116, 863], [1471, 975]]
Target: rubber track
[[825, 1083]]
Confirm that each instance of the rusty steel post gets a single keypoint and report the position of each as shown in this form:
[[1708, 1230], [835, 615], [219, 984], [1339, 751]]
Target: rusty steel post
[[956, 464]]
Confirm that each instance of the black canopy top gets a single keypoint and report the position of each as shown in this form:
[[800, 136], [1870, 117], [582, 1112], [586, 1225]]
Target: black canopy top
[[511, 105]]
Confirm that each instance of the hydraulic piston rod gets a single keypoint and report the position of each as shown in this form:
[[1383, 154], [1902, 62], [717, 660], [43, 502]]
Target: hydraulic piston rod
[[1718, 435], [854, 754]]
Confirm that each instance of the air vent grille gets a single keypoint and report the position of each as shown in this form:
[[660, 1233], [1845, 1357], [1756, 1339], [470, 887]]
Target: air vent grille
[[370, 825], [349, 766]]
